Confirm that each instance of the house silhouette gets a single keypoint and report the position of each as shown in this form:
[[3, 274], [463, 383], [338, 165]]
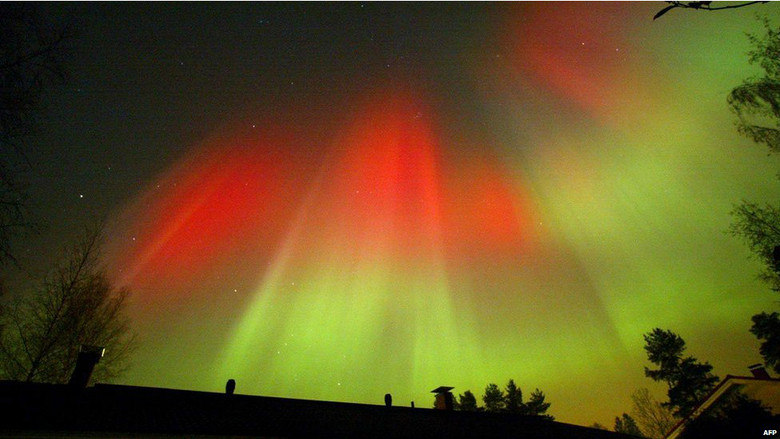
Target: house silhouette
[[35, 410]]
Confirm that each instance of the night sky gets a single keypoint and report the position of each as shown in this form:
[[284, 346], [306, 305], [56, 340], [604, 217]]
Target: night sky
[[338, 201]]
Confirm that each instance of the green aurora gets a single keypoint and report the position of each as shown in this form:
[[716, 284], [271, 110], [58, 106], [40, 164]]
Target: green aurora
[[391, 198]]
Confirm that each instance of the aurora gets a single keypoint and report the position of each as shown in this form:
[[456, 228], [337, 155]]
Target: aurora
[[341, 201]]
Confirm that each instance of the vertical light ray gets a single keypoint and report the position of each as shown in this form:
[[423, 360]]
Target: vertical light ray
[[249, 341], [205, 209], [364, 266], [572, 195]]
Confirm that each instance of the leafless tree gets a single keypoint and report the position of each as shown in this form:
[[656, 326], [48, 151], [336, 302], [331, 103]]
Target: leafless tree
[[653, 419], [31, 52], [75, 305]]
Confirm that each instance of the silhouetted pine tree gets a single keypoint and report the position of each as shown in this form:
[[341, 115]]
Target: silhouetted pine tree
[[688, 380], [493, 398]]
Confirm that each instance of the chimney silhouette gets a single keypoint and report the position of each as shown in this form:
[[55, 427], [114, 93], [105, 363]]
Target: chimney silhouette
[[88, 357], [444, 399], [759, 371]]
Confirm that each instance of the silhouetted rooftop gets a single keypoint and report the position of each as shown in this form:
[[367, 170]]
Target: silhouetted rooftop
[[48, 410], [765, 390]]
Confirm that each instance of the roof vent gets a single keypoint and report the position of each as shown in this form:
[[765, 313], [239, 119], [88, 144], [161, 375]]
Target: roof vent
[[230, 386]]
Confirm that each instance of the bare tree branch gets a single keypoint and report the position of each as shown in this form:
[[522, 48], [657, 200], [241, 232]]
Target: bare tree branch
[[705, 6], [31, 51], [75, 305]]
